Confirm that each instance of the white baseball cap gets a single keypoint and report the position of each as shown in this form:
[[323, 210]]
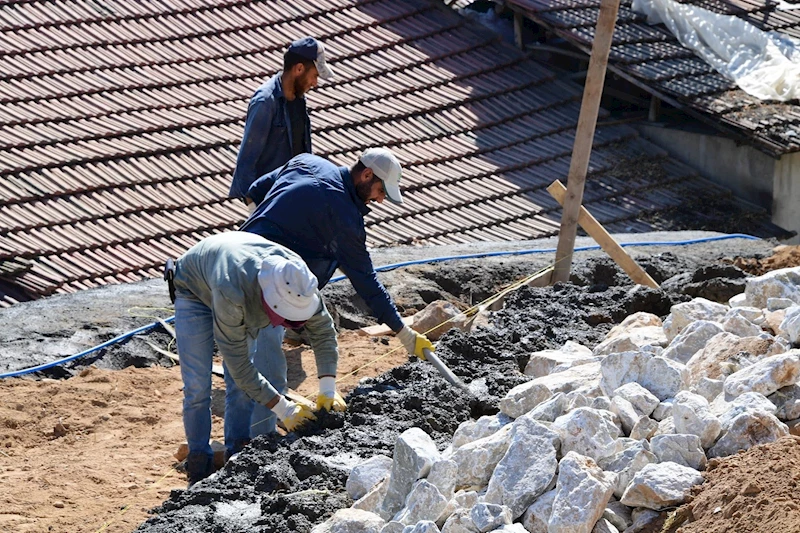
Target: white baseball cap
[[289, 288], [386, 166]]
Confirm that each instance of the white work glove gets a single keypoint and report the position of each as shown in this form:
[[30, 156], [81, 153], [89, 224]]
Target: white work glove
[[414, 342], [328, 398], [292, 415]]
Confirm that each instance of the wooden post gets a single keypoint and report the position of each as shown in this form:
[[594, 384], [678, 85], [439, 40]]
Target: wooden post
[[606, 241], [655, 109], [584, 135], [518, 31]]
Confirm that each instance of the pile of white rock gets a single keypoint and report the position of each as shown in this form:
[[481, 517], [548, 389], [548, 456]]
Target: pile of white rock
[[600, 440]]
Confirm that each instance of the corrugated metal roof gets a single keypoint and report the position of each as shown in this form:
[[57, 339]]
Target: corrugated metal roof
[[652, 57], [120, 121]]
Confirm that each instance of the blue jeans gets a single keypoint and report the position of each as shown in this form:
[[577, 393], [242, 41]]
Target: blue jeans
[[194, 332]]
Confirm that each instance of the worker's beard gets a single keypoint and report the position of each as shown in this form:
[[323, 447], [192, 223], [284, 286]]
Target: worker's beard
[[301, 85], [363, 190]]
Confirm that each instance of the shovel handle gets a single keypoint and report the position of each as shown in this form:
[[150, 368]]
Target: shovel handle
[[443, 370]]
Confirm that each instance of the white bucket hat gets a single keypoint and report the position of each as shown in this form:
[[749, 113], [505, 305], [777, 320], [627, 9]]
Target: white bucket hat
[[386, 166], [289, 287]]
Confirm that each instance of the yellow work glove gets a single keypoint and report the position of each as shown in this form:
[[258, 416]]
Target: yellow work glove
[[328, 398], [293, 415], [414, 342]]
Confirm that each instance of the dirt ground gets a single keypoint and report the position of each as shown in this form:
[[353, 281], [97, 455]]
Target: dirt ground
[[95, 452], [783, 257]]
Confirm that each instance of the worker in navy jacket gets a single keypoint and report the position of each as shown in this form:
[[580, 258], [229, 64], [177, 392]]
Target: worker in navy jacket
[[317, 210], [277, 127]]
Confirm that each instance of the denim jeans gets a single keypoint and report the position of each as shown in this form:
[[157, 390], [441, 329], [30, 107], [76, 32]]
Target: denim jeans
[[270, 361], [194, 333]]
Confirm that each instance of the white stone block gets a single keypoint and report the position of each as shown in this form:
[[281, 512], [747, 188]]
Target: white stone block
[[726, 353], [489, 516], [414, 454], [476, 460], [364, 476], [626, 464], [692, 415], [537, 515], [661, 485], [582, 493], [663, 409], [443, 476], [544, 362], [740, 326], [790, 326], [604, 526], [472, 430], [633, 340], [644, 428], [683, 314], [682, 449], [709, 388], [766, 376], [626, 413], [748, 402], [584, 379], [776, 304], [739, 300], [618, 514], [424, 526], [587, 431], [525, 472], [351, 521], [424, 502], [463, 499], [643, 401], [634, 321], [787, 401], [460, 522], [747, 430], [783, 283], [690, 340], [524, 397]]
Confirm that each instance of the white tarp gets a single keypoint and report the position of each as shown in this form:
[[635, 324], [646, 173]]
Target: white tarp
[[764, 64]]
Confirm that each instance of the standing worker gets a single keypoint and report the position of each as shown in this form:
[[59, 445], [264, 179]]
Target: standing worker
[[228, 288], [277, 126], [317, 209]]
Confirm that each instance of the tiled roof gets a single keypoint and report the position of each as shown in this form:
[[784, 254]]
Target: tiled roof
[[120, 121], [652, 57]]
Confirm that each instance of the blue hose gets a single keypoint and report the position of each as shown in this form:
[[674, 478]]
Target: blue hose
[[384, 268]]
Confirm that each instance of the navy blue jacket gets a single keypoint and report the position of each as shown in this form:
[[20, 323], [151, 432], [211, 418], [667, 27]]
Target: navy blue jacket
[[310, 206], [267, 139]]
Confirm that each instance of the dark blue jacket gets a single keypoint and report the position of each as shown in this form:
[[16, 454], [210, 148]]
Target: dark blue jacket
[[310, 206], [267, 139]]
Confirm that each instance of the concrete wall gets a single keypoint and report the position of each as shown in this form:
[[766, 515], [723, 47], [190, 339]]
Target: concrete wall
[[773, 184], [742, 169], [786, 194]]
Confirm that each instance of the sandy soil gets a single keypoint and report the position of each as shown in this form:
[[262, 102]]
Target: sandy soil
[[95, 452]]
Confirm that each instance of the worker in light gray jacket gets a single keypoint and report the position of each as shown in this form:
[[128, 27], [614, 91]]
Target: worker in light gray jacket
[[228, 287]]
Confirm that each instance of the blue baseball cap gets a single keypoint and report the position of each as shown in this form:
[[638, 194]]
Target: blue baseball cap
[[310, 48]]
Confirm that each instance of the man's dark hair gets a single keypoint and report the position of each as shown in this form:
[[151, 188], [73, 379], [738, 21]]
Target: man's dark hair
[[357, 169], [290, 59]]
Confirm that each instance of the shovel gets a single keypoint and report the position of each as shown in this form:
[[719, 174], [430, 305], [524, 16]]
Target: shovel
[[444, 371]]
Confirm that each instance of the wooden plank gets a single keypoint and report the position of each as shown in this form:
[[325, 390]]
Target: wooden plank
[[606, 241], [383, 329], [582, 149], [217, 369]]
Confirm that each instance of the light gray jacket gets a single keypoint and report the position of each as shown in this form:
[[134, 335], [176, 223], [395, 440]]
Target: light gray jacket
[[222, 272]]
